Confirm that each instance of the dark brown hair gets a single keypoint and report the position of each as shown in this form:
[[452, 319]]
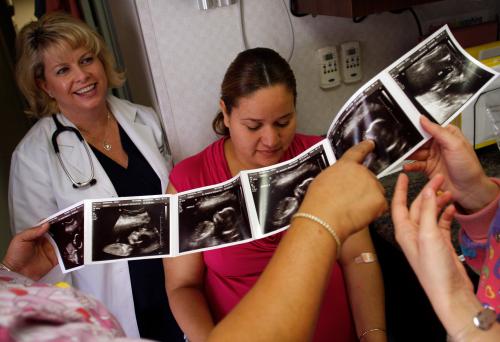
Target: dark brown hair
[[250, 71]]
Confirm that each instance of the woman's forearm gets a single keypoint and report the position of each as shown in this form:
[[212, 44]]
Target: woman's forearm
[[365, 287], [190, 309], [284, 303]]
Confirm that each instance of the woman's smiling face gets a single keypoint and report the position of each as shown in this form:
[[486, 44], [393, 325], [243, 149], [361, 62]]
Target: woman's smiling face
[[75, 78], [262, 126]]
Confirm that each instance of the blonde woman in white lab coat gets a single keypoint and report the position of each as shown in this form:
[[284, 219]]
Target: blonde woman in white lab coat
[[65, 71]]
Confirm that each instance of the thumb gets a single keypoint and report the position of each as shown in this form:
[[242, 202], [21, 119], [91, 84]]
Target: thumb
[[358, 152], [34, 233], [440, 134]]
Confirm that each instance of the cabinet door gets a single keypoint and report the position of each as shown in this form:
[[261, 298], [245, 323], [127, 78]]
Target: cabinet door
[[351, 8]]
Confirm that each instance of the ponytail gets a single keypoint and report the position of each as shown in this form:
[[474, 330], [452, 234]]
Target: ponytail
[[218, 125]]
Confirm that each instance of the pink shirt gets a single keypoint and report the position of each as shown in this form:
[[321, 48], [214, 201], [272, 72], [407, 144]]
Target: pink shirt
[[232, 271], [480, 242]]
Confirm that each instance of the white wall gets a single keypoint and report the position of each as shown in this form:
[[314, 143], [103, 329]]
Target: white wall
[[189, 50], [132, 50]]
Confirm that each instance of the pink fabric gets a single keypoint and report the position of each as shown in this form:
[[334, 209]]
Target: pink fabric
[[32, 311], [480, 243], [232, 271], [476, 225]]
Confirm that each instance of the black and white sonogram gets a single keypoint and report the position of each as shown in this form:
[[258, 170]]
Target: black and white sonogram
[[376, 116], [213, 217], [130, 228], [439, 79], [67, 232], [278, 192]]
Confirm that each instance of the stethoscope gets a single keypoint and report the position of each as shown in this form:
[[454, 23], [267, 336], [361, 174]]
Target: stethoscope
[[60, 128]]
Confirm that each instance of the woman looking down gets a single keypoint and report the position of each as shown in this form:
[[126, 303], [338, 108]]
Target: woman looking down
[[257, 123]]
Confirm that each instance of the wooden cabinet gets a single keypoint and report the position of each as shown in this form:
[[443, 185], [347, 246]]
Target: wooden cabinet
[[351, 8]]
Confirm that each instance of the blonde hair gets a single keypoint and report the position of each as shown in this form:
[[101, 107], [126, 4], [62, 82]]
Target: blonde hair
[[56, 30]]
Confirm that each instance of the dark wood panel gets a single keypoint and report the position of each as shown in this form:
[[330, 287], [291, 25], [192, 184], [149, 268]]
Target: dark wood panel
[[352, 8]]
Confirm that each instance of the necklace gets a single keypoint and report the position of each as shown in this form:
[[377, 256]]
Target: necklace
[[107, 146]]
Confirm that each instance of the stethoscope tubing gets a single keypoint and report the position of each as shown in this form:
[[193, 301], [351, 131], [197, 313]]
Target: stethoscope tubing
[[60, 128]]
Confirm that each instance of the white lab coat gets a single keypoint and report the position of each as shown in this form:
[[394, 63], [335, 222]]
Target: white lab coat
[[38, 188]]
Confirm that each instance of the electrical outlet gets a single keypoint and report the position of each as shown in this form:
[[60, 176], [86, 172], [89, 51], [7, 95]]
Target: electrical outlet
[[329, 73]]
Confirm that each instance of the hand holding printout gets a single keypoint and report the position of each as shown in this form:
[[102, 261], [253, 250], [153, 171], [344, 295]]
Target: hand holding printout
[[424, 236], [30, 253], [347, 194], [302, 282], [450, 154], [436, 78], [287, 286]]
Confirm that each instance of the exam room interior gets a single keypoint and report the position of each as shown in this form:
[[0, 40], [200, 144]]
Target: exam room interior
[[194, 40]]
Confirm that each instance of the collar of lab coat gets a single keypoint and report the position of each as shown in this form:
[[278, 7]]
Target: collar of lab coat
[[75, 156]]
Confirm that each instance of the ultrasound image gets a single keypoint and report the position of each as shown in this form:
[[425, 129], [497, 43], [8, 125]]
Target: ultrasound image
[[67, 232], [441, 80], [213, 218], [128, 231], [278, 193], [375, 116]]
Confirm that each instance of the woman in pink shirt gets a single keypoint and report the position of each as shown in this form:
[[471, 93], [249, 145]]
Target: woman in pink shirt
[[257, 123]]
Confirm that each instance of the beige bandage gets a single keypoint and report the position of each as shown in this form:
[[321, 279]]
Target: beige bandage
[[365, 258]]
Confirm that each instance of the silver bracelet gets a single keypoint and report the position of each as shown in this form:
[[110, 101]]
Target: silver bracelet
[[366, 332], [3, 267], [324, 225]]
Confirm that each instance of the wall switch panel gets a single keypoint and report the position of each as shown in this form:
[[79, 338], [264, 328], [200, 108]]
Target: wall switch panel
[[350, 61], [329, 72]]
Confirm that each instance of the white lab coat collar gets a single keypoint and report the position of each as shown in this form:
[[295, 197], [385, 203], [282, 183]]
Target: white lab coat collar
[[140, 134]]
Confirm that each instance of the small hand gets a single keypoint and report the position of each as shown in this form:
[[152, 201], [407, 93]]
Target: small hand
[[30, 253], [450, 154], [425, 240]]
